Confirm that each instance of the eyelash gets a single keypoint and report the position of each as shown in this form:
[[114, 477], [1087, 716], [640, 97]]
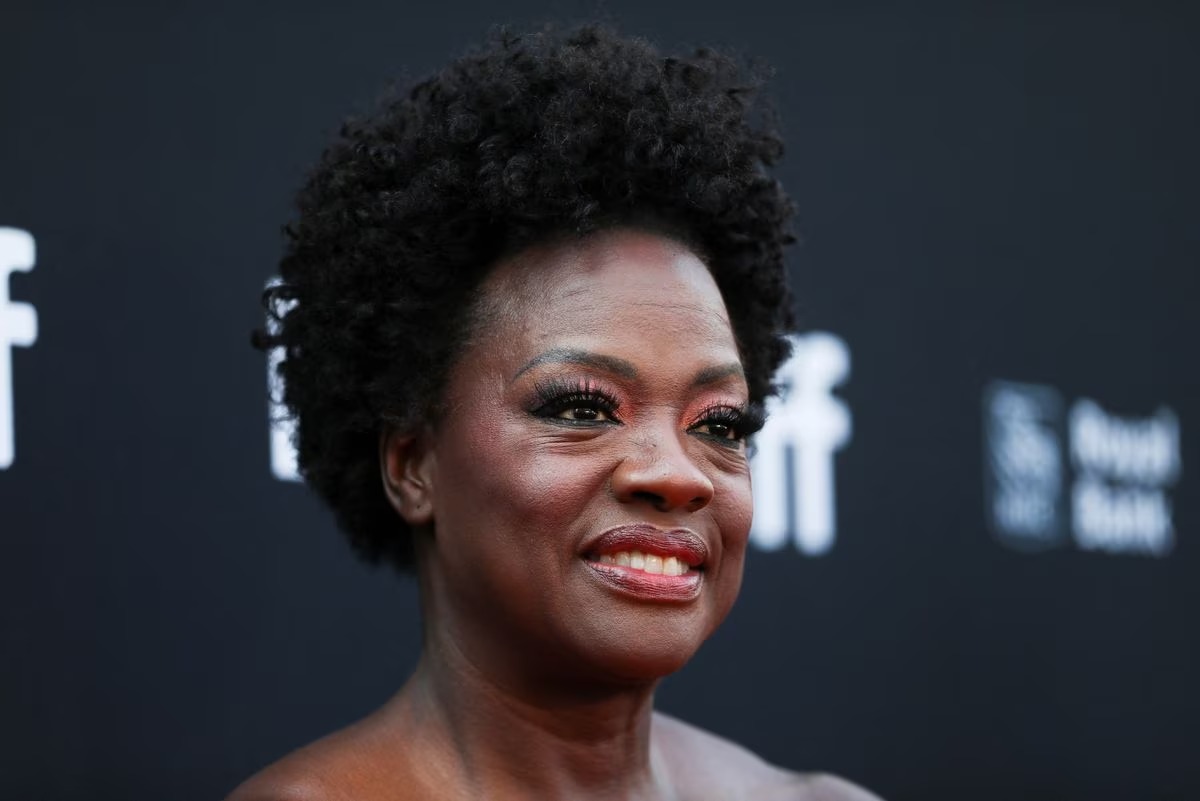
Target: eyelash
[[741, 422], [555, 397]]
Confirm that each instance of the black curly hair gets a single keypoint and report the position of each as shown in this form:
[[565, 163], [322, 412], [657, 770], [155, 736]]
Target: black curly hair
[[550, 134]]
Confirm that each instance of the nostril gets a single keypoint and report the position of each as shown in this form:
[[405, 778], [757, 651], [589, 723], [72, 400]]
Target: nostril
[[658, 501], [666, 484]]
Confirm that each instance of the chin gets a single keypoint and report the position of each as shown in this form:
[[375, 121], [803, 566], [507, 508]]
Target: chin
[[656, 670], [648, 659]]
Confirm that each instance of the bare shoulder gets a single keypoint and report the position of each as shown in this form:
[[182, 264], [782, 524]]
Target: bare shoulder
[[348, 765], [283, 782], [708, 766], [822, 787]]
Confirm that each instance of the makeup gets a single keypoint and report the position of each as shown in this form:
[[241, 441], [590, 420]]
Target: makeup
[[649, 563]]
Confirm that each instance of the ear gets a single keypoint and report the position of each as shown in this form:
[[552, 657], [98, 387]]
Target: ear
[[407, 463]]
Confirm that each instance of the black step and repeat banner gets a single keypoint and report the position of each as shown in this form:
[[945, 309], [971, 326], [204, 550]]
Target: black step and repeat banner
[[976, 560]]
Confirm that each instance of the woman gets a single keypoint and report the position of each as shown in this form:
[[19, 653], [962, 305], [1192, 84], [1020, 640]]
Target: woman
[[532, 312]]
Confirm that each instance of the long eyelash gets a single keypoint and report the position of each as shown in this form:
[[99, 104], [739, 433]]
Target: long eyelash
[[744, 421], [555, 395]]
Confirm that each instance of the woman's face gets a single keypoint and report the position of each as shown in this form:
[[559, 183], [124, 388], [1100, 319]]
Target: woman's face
[[588, 477]]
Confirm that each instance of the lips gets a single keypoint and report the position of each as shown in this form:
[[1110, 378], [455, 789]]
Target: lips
[[684, 545], [649, 563]]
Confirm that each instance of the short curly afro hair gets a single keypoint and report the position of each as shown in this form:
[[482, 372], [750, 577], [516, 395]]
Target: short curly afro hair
[[545, 135]]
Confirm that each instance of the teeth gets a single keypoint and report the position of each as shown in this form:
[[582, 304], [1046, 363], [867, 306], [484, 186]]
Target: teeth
[[648, 562]]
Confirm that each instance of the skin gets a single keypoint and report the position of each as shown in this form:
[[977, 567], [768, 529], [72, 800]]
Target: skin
[[537, 678]]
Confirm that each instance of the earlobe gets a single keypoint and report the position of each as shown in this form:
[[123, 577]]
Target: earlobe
[[406, 462]]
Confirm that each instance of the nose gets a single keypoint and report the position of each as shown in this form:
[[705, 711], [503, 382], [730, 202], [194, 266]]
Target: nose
[[659, 471]]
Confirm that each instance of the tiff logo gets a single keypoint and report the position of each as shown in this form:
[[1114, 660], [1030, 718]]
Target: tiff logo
[[284, 464], [793, 466], [18, 328]]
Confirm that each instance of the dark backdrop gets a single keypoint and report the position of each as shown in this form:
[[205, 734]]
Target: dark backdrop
[[987, 193]]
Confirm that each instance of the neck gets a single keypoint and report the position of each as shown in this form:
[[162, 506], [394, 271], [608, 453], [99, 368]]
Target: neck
[[498, 735]]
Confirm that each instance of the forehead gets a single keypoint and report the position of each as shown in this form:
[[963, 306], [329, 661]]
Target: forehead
[[628, 282]]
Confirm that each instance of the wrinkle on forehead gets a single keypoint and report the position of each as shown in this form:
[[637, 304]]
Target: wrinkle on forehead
[[718, 314], [549, 281], [528, 276]]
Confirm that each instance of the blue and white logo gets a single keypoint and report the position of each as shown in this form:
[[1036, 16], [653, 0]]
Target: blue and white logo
[[1124, 467], [1083, 475], [1024, 475]]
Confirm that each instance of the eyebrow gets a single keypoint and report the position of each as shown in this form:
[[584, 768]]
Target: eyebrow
[[623, 368], [719, 372], [584, 358]]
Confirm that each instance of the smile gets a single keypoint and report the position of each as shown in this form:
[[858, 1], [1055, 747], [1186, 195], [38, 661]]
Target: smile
[[644, 585], [647, 563], [650, 563]]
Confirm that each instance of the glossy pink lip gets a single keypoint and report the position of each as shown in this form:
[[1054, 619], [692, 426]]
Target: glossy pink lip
[[684, 545]]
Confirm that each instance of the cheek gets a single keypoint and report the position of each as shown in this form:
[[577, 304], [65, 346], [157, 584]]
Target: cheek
[[505, 478], [736, 512], [733, 517]]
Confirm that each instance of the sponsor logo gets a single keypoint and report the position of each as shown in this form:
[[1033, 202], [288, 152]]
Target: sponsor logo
[[793, 466], [1084, 476], [1124, 467], [18, 328], [1024, 453]]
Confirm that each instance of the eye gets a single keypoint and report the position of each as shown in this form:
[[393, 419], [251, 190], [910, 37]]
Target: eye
[[579, 410], [575, 404], [714, 429], [728, 425]]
